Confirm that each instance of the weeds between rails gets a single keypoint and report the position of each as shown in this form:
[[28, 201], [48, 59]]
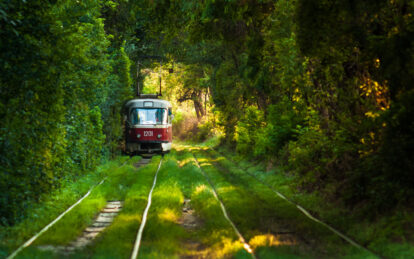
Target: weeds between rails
[[310, 232], [246, 245], [144, 216], [181, 184], [310, 216], [67, 225]]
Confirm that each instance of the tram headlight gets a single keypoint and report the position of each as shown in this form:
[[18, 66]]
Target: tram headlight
[[138, 135], [159, 136]]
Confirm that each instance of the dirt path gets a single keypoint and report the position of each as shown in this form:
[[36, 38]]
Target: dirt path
[[192, 249]]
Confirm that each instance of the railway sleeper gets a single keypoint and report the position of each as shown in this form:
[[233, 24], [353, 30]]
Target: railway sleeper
[[102, 221]]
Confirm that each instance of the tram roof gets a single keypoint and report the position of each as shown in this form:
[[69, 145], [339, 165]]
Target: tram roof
[[148, 103]]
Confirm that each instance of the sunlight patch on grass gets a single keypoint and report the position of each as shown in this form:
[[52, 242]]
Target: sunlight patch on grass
[[128, 217], [228, 247], [185, 161], [200, 188], [269, 240], [168, 215], [205, 164], [226, 189]]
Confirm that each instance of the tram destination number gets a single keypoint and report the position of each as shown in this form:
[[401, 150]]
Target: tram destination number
[[148, 133]]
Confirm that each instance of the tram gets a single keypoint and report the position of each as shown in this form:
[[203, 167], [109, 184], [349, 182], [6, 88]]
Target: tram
[[148, 125]]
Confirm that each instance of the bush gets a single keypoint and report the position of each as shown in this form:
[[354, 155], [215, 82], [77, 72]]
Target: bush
[[246, 130], [206, 130], [185, 126], [284, 124], [260, 137]]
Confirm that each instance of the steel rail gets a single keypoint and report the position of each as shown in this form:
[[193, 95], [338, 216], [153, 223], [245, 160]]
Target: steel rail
[[31, 240], [144, 217], [246, 245], [307, 213]]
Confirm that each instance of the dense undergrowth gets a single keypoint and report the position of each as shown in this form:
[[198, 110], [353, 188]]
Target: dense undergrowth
[[63, 80]]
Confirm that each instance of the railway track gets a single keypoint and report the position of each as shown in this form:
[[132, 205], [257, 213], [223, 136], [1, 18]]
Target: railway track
[[210, 176], [306, 212], [137, 244], [246, 245], [103, 220]]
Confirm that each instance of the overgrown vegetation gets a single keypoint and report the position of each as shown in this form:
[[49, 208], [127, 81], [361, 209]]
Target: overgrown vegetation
[[320, 89], [274, 225], [39, 215], [388, 236], [63, 79]]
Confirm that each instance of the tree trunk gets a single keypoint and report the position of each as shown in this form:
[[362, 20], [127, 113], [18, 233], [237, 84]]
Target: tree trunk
[[198, 104]]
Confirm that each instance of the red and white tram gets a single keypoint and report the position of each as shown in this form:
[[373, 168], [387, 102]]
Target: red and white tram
[[148, 125]]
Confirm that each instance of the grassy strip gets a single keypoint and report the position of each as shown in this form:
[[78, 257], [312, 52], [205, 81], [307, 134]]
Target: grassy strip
[[387, 235], [118, 239], [163, 237], [215, 233], [50, 207], [74, 222], [242, 196]]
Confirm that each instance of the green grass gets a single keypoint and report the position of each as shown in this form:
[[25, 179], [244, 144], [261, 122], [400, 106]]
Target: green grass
[[49, 208], [254, 208], [75, 221], [243, 195], [389, 235], [215, 232], [163, 237], [118, 239], [72, 224]]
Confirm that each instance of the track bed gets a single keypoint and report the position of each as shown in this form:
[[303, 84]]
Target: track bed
[[188, 204]]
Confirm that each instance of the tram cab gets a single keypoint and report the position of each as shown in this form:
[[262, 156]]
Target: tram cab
[[148, 125]]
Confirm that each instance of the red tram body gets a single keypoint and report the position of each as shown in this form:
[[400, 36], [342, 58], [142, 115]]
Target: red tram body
[[148, 125]]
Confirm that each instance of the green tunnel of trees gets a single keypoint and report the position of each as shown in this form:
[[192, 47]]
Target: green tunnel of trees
[[323, 89]]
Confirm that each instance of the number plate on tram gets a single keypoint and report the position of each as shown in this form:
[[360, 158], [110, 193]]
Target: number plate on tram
[[148, 133]]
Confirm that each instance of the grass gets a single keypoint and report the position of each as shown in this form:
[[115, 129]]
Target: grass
[[49, 208], [388, 235], [261, 216], [162, 234], [215, 233], [243, 195], [118, 239], [73, 223], [163, 237]]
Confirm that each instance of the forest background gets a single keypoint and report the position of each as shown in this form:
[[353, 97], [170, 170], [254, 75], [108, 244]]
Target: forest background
[[322, 89]]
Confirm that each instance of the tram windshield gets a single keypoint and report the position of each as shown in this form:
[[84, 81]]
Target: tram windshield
[[145, 116]]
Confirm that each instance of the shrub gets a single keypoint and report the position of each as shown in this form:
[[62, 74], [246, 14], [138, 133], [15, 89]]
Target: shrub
[[246, 130], [284, 124], [185, 126]]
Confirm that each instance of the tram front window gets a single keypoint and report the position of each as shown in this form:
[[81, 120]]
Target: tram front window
[[144, 116]]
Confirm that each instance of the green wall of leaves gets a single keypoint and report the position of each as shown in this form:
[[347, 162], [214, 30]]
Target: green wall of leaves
[[321, 88], [61, 86]]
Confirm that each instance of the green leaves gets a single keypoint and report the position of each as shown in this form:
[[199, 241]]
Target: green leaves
[[56, 83]]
